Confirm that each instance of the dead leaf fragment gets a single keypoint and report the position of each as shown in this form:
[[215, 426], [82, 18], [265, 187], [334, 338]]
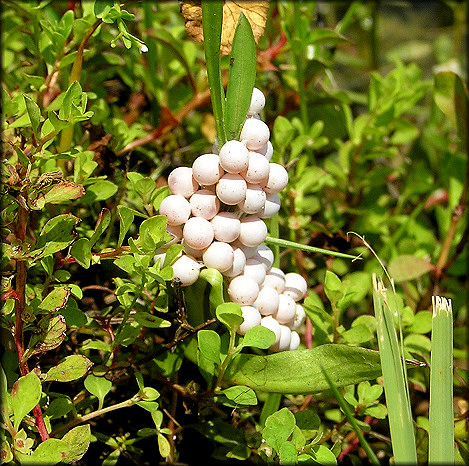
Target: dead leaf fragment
[[255, 12]]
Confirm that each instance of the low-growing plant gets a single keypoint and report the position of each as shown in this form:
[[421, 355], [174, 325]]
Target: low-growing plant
[[129, 337]]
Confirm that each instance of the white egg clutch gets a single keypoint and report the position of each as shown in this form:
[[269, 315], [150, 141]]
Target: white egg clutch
[[216, 210]]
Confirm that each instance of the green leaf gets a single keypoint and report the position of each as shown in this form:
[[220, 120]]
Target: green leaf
[[152, 234], [72, 94], [450, 94], [278, 428], [357, 334], [57, 234], [100, 191], [51, 335], [104, 219], [259, 337], [241, 78], [81, 251], [98, 386], [64, 191], [78, 440], [322, 455], [25, 395], [163, 446], [55, 300], [212, 20], [71, 368], [333, 287], [51, 451], [149, 320], [126, 218], [299, 372], [240, 395], [209, 345], [230, 315], [408, 267], [283, 133], [34, 113]]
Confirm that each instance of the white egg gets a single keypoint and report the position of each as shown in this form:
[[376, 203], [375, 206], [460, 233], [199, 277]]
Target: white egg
[[226, 226], [275, 278], [283, 343], [267, 301], [267, 151], [264, 255], [255, 270], [295, 341], [295, 286], [258, 169], [254, 200], [253, 231], [206, 169], [234, 156], [218, 256], [198, 232], [255, 133], [257, 102], [190, 251], [298, 318], [286, 309], [239, 261], [176, 208], [278, 178], [181, 181], [251, 317], [271, 206], [204, 203], [231, 188], [186, 269], [243, 290]]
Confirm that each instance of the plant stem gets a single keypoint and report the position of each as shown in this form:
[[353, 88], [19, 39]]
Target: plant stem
[[99, 412]]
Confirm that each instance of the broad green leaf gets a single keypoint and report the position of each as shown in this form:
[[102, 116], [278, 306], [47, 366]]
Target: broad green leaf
[[25, 395], [241, 78], [71, 368], [126, 218], [278, 428], [51, 335], [57, 234], [34, 113], [128, 334], [230, 315], [98, 386], [149, 320], [299, 372], [73, 93], [422, 323], [55, 300], [81, 251], [408, 267], [451, 97], [240, 395], [322, 455], [287, 453], [163, 446], [104, 219], [152, 234], [209, 345], [283, 133], [100, 191], [259, 337], [212, 20], [357, 334], [51, 451], [59, 407], [64, 191], [78, 439], [333, 287]]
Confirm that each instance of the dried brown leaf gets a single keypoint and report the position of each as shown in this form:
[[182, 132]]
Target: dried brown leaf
[[255, 12]]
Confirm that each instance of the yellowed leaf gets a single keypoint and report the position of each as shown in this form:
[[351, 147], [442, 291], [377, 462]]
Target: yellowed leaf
[[255, 12]]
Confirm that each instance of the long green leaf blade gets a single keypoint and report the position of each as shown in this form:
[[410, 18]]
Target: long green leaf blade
[[343, 404], [441, 432], [242, 77], [394, 376], [299, 372], [212, 21]]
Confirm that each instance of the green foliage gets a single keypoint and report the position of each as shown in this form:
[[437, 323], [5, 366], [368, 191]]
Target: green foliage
[[101, 100]]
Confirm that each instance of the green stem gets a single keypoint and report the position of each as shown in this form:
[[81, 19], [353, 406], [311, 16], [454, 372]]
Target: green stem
[[231, 352], [303, 247]]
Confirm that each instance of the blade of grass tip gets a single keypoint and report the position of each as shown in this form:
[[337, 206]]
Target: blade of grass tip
[[441, 419], [394, 377], [304, 247], [348, 414], [212, 21]]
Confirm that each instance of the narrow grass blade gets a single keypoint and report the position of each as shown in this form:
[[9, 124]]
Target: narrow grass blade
[[212, 20], [348, 414], [241, 79], [304, 247], [441, 431], [395, 379], [271, 405]]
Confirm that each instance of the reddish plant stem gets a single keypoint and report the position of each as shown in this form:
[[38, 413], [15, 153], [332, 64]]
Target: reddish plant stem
[[21, 274], [355, 442]]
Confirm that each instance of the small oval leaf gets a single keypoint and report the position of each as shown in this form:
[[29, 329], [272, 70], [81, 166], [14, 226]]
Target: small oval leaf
[[71, 368]]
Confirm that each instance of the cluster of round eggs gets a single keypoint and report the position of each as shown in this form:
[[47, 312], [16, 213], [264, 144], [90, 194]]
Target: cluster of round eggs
[[216, 210]]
